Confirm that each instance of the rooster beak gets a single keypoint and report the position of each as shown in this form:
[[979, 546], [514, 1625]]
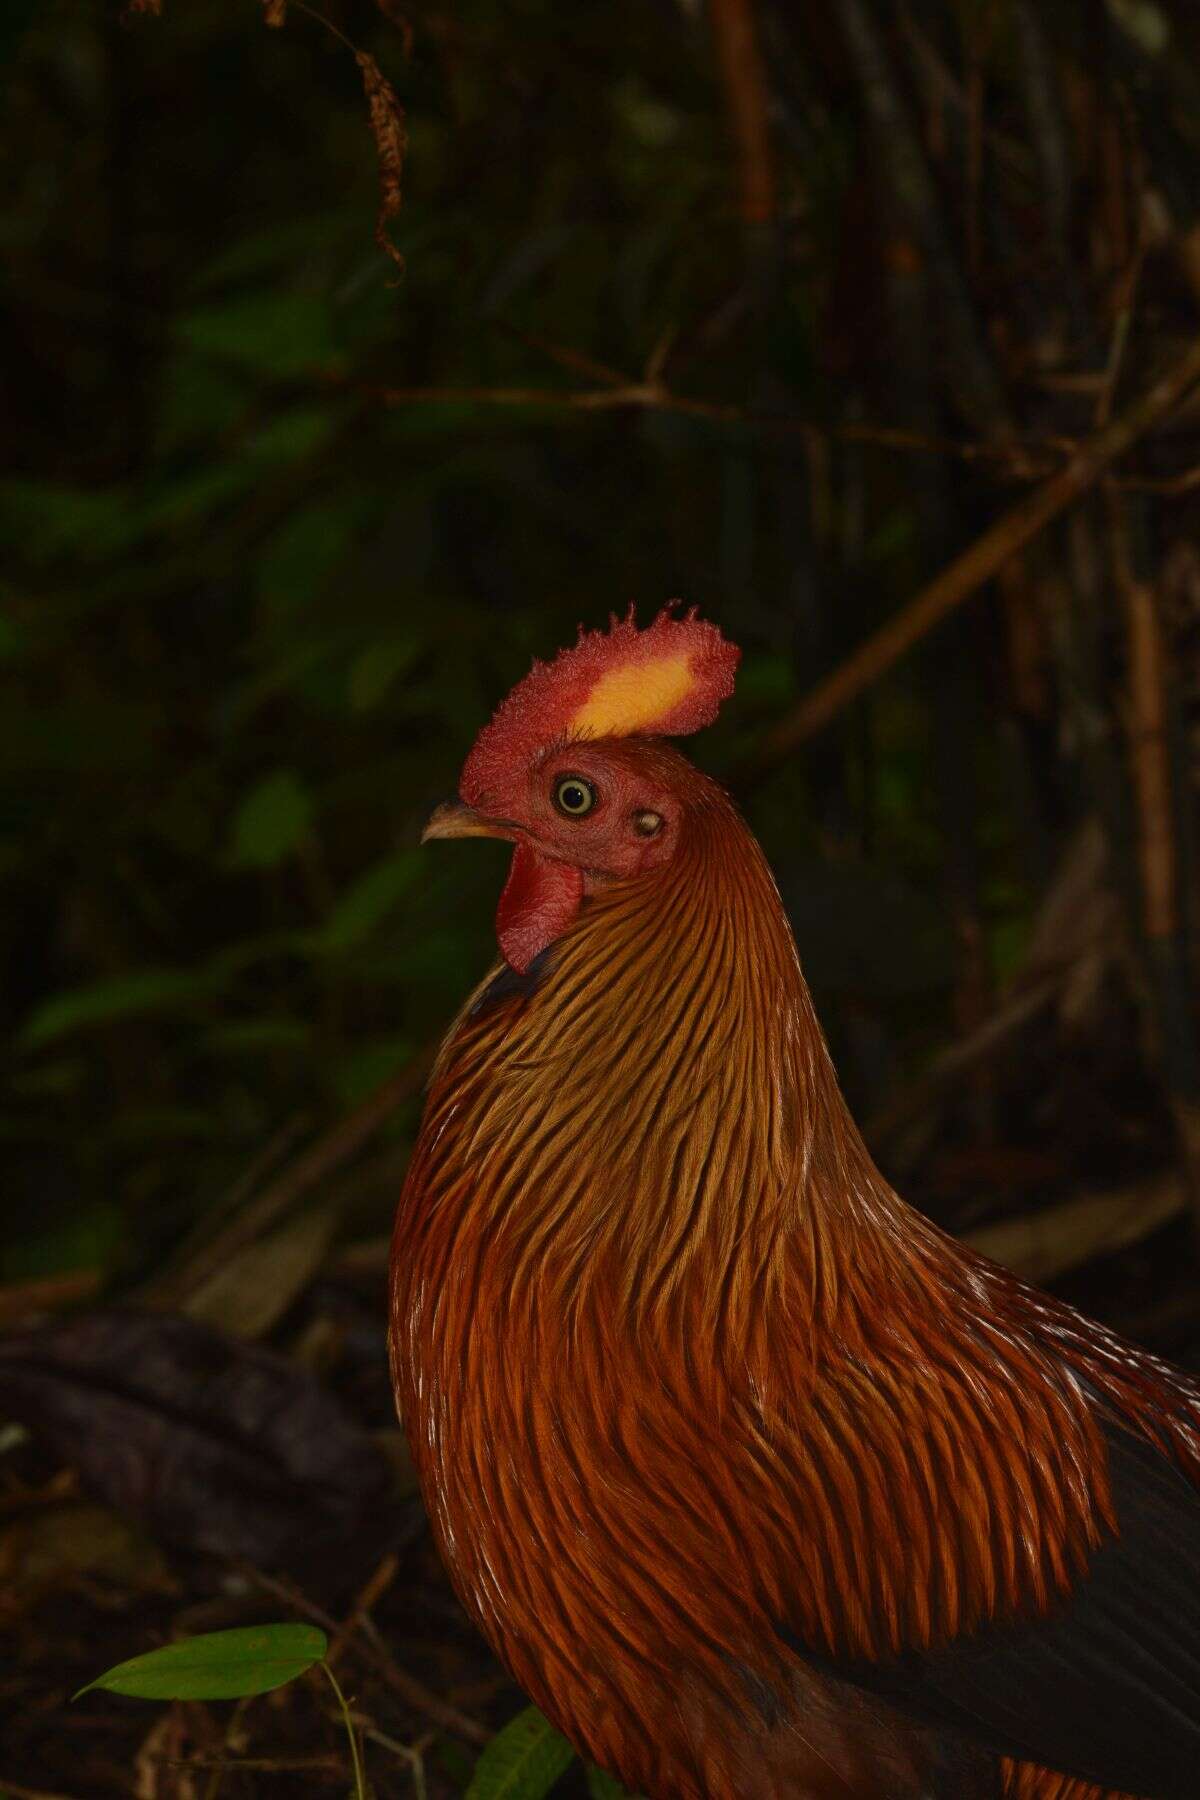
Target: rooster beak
[[454, 819]]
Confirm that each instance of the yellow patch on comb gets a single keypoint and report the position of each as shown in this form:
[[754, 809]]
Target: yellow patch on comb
[[635, 698]]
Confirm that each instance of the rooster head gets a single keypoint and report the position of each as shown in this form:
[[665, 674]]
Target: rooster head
[[569, 771]]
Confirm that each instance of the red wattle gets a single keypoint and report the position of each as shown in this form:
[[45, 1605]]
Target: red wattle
[[540, 899]]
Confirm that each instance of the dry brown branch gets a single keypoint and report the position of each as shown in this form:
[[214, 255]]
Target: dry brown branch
[[744, 80], [45, 1293], [977, 564], [1168, 487], [367, 1599], [623, 392], [413, 1692], [14, 1788], [1030, 458], [567, 358], [331, 1764], [391, 141]]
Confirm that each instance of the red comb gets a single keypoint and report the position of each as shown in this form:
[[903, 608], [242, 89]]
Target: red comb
[[665, 681]]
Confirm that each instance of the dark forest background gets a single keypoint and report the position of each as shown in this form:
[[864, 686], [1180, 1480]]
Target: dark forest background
[[872, 329]]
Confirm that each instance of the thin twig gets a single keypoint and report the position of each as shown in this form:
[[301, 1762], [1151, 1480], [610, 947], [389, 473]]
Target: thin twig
[[413, 1692], [412, 1754], [217, 1780], [977, 564], [360, 1787], [650, 395], [365, 1603]]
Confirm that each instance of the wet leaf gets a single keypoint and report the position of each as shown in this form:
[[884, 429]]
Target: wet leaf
[[210, 1443], [522, 1762], [219, 1665]]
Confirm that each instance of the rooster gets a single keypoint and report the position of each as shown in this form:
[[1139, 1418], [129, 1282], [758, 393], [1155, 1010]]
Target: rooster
[[758, 1484]]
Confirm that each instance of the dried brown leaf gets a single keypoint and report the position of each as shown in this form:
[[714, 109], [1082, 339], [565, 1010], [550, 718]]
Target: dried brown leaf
[[1043, 1245], [275, 13], [391, 141], [251, 1291]]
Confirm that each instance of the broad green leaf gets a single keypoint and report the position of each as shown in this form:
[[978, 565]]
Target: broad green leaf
[[367, 902], [272, 821], [220, 1665], [603, 1786], [522, 1762], [145, 991]]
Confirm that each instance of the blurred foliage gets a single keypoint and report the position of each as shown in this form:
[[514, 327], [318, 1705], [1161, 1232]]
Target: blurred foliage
[[253, 617]]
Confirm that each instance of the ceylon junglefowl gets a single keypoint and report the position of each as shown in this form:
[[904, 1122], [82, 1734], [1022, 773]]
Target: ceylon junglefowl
[[758, 1483]]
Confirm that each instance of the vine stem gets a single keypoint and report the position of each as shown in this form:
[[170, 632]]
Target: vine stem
[[360, 1786]]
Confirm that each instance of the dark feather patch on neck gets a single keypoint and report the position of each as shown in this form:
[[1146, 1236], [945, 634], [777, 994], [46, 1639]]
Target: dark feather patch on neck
[[508, 982]]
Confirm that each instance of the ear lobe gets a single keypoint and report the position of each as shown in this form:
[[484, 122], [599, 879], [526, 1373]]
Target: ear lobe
[[540, 899]]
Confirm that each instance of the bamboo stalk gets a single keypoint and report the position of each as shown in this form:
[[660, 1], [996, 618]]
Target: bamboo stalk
[[1159, 873], [1150, 758], [735, 31], [977, 564]]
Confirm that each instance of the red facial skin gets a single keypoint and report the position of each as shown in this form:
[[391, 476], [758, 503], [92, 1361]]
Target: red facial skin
[[559, 859]]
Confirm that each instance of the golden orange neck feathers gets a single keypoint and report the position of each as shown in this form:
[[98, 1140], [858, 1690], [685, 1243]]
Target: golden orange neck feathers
[[664, 1090]]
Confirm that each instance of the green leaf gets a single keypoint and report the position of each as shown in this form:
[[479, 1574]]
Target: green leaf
[[101, 1003], [12, 637], [369, 1066], [372, 673], [277, 332], [272, 821], [251, 1037], [86, 1235], [220, 1665], [522, 1762], [367, 902], [603, 1786]]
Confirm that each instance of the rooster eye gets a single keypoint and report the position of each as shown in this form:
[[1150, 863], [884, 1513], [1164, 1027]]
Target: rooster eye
[[574, 796]]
